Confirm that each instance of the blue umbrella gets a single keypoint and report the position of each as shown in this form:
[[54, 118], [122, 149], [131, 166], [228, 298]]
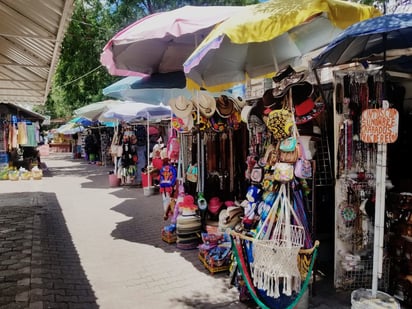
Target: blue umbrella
[[152, 89], [385, 39], [82, 121]]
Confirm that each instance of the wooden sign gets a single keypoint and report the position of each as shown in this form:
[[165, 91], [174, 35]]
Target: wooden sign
[[379, 125]]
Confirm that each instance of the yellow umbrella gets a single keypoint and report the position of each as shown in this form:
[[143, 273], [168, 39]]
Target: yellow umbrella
[[257, 41]]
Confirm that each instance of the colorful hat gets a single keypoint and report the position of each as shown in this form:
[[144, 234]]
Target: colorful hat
[[205, 103], [181, 106], [224, 106], [214, 205], [308, 110], [182, 124]]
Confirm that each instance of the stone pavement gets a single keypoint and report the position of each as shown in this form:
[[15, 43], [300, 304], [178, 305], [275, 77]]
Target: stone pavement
[[71, 241]]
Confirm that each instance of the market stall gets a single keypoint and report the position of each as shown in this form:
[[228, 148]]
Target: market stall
[[20, 136], [371, 106]]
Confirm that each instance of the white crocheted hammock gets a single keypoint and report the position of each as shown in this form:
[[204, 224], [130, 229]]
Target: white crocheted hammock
[[275, 252]]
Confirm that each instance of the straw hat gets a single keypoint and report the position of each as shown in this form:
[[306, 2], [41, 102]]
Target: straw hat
[[206, 104], [181, 106]]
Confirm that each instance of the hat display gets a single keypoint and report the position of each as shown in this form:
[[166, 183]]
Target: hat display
[[224, 106], [285, 79], [181, 106], [206, 104]]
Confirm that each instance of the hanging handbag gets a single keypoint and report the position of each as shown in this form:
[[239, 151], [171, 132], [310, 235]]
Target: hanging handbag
[[280, 123], [283, 172], [191, 173], [256, 175], [288, 156], [303, 167], [288, 144]]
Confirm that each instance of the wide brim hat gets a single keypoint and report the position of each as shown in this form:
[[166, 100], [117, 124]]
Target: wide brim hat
[[224, 106], [239, 103], [181, 106], [301, 93], [269, 101], [245, 113], [285, 79], [316, 108], [206, 104]]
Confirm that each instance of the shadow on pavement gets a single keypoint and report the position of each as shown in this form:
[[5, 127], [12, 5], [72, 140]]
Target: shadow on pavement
[[39, 265]]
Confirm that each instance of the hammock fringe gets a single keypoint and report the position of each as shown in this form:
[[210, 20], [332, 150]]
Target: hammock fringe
[[305, 263]]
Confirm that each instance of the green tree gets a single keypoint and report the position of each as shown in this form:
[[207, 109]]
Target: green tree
[[388, 6], [79, 77]]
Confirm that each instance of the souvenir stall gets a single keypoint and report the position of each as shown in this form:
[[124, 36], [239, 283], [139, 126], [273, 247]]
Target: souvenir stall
[[371, 106], [241, 163], [130, 146], [359, 93], [20, 135]]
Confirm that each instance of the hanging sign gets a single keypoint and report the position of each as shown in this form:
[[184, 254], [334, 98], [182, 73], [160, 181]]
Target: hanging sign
[[379, 125]]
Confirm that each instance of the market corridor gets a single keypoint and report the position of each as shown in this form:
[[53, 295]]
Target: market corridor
[[70, 241]]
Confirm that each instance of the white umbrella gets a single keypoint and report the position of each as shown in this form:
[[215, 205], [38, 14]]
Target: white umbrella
[[94, 110], [130, 111]]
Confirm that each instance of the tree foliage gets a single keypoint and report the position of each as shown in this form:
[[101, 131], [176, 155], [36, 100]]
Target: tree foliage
[[79, 77]]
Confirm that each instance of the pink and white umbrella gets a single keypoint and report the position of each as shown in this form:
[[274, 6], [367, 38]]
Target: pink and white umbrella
[[161, 42]]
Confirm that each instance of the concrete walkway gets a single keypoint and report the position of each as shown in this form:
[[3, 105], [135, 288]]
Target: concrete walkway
[[83, 244], [71, 241]]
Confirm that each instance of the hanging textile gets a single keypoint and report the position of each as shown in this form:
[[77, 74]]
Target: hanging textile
[[30, 136], [22, 133]]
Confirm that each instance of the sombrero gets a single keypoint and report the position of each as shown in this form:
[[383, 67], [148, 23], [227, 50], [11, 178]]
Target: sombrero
[[206, 104], [285, 79], [181, 106], [305, 107], [315, 109], [224, 106]]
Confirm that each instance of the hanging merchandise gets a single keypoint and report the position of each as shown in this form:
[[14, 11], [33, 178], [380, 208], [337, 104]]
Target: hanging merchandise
[[303, 167], [356, 91]]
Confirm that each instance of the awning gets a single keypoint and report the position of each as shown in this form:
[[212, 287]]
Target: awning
[[31, 33]]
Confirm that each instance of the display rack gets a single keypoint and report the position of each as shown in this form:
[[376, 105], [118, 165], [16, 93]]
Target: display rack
[[355, 185]]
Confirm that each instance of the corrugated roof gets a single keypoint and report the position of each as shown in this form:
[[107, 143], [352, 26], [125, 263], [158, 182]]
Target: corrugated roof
[[31, 33]]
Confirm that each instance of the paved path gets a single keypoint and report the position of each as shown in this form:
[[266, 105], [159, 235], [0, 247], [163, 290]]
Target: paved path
[[71, 241]]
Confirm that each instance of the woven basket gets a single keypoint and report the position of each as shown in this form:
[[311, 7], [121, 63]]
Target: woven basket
[[37, 174], [14, 175], [25, 176]]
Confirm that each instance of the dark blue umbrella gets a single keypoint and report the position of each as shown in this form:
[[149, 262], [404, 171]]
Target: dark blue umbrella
[[385, 40]]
